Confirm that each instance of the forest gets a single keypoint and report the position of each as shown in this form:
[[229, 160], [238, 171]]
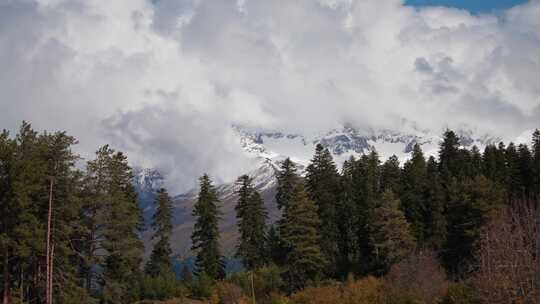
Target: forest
[[462, 227]]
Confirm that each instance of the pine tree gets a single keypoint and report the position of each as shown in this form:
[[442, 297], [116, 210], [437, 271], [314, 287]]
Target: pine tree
[[160, 259], [368, 174], [476, 167], [526, 170], [205, 237], [391, 175], [287, 179], [276, 249], [435, 207], [390, 232], [536, 161], [8, 214], [301, 233], [469, 206], [251, 215], [449, 155], [322, 185], [112, 220], [123, 224], [413, 193], [514, 181]]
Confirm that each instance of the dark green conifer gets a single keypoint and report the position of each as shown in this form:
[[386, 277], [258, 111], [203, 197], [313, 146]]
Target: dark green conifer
[[469, 206], [205, 237], [390, 232], [287, 179], [449, 155], [323, 187], [435, 207], [160, 259], [391, 175], [251, 215], [413, 193], [301, 233], [123, 222], [536, 161]]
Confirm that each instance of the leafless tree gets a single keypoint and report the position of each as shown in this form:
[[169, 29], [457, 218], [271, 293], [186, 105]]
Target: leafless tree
[[508, 255]]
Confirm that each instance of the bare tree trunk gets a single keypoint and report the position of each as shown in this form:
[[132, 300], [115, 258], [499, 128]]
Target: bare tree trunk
[[50, 286], [6, 295], [49, 268]]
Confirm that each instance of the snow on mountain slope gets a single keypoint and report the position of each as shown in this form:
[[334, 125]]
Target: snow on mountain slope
[[269, 148]]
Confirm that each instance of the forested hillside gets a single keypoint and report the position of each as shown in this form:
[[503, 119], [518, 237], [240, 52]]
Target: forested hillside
[[463, 227]]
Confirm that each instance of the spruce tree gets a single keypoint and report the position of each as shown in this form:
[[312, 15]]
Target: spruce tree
[[276, 249], [469, 206], [477, 167], [391, 175], [435, 232], [390, 232], [160, 259], [322, 185], [287, 178], [449, 155], [525, 165], [205, 236], [413, 193], [251, 215], [300, 231], [514, 180], [123, 223], [7, 213], [536, 161]]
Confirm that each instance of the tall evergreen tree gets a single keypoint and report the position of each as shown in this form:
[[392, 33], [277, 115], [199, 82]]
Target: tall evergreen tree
[[323, 187], [449, 155], [390, 232], [287, 179], [205, 237], [536, 161], [300, 231], [514, 180], [276, 249], [469, 206], [391, 175], [121, 241], [8, 214], [251, 215], [413, 193], [435, 232], [526, 170], [112, 220], [160, 259]]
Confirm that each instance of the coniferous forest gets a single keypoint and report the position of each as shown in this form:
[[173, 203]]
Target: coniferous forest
[[462, 227]]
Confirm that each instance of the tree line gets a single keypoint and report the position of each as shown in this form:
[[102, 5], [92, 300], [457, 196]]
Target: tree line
[[73, 235]]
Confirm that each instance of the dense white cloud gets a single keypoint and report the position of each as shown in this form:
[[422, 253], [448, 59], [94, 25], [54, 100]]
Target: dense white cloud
[[165, 79]]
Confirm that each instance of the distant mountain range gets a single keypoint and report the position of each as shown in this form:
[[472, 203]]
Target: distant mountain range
[[269, 148]]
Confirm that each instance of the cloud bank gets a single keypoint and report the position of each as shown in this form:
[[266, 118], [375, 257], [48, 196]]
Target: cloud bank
[[165, 79]]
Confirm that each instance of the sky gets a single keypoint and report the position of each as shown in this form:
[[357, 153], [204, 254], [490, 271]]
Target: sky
[[473, 6], [164, 80]]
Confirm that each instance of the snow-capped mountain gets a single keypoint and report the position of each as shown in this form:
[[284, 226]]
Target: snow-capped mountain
[[269, 148], [348, 141], [147, 182]]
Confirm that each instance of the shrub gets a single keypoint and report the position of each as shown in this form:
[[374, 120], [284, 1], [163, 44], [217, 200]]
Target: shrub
[[266, 280], [419, 277], [204, 286], [228, 293], [366, 291], [163, 286], [460, 293]]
